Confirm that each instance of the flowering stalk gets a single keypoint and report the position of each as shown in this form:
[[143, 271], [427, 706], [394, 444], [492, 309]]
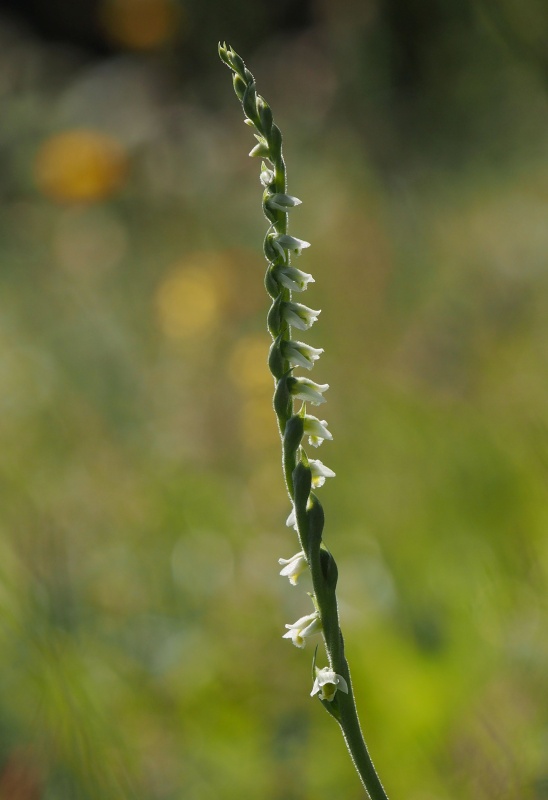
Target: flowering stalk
[[332, 684]]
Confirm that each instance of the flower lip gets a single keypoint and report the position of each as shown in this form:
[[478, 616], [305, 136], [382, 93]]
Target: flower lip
[[326, 684]]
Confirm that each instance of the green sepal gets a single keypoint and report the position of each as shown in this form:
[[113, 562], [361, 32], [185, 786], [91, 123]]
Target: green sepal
[[329, 568], [302, 483], [265, 115], [293, 434], [269, 252], [223, 54], [270, 214], [332, 707], [270, 283], [274, 318], [275, 142], [282, 398], [239, 86], [314, 663], [276, 362], [237, 62], [249, 102], [315, 522]]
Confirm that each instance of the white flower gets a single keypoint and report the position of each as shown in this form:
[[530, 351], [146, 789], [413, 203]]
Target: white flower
[[299, 316], [326, 684], [291, 521], [304, 627], [283, 202], [307, 390], [285, 242], [267, 175], [300, 354], [319, 473], [316, 430], [294, 279], [294, 566]]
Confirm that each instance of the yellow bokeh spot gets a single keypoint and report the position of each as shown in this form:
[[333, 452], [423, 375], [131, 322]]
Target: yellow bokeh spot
[[140, 24], [187, 302], [247, 364], [80, 166]]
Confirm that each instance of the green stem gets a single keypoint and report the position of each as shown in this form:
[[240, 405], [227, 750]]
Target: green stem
[[351, 730]]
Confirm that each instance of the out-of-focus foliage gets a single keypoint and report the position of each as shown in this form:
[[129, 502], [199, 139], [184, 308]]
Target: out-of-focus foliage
[[142, 501]]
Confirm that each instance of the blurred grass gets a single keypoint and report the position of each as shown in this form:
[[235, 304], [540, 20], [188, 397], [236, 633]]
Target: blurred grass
[[143, 506]]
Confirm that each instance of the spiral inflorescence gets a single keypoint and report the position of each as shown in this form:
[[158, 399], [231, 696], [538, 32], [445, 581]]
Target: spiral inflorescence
[[332, 684], [281, 281]]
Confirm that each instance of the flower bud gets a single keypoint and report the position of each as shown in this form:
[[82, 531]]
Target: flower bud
[[282, 202]]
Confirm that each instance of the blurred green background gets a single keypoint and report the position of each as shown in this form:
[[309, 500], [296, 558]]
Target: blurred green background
[[142, 500]]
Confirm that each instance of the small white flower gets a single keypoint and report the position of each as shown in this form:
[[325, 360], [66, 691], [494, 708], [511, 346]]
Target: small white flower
[[319, 473], [294, 279], [300, 354], [291, 521], [326, 684], [299, 316], [316, 430], [294, 566], [304, 627], [282, 202], [267, 175], [284, 242], [307, 390]]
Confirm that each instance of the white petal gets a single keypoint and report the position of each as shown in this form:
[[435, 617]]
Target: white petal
[[291, 521]]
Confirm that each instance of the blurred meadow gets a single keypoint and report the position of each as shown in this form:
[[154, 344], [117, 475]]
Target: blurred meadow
[[142, 502]]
